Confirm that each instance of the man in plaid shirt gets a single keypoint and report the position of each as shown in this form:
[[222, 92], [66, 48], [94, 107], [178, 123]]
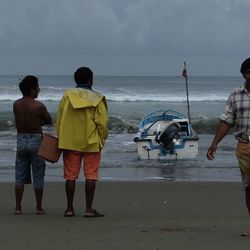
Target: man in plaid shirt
[[237, 115]]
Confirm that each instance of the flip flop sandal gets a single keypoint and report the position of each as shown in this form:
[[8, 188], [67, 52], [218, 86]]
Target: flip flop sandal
[[94, 214], [17, 211], [40, 212], [246, 234], [69, 213]]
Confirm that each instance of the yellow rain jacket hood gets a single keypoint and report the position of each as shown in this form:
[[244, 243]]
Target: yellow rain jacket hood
[[82, 120]]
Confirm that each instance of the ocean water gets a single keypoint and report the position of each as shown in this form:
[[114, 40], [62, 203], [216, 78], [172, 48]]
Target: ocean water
[[129, 98]]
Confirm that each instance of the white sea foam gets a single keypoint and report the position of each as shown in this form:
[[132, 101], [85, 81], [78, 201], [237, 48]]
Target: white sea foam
[[166, 98], [42, 97], [56, 96], [9, 97]]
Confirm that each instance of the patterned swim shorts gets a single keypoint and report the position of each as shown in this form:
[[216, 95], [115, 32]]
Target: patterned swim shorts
[[27, 160]]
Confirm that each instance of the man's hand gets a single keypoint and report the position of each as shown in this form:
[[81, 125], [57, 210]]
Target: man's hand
[[211, 152]]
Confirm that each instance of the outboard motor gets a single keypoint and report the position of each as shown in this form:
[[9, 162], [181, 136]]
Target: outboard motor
[[167, 135]]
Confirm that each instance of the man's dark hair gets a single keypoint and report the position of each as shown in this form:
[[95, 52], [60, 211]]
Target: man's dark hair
[[245, 66], [28, 84], [83, 75]]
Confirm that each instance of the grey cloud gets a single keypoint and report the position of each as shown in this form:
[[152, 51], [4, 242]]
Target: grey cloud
[[138, 28]]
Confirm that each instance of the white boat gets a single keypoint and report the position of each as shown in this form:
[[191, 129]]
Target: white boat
[[166, 135]]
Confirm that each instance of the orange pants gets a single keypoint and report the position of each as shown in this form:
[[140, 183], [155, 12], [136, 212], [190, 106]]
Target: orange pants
[[72, 164]]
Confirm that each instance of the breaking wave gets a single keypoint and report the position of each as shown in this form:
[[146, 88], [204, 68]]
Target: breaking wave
[[118, 124]]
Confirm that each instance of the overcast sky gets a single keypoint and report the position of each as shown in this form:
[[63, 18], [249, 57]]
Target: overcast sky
[[124, 37]]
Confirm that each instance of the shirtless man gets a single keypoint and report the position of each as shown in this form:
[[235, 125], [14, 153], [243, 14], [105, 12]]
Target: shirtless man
[[30, 115]]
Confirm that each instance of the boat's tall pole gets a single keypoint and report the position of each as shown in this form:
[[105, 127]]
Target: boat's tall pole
[[185, 75]]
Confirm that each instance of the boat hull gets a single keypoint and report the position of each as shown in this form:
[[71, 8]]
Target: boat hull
[[147, 150]]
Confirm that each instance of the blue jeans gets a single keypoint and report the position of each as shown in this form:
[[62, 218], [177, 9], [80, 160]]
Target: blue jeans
[[27, 160]]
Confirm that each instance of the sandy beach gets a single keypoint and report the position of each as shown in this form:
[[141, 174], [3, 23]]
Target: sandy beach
[[138, 215]]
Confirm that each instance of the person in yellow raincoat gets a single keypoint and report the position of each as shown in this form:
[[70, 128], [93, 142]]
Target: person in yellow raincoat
[[82, 128]]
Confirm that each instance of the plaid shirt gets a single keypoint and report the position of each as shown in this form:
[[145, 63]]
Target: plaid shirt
[[237, 112]]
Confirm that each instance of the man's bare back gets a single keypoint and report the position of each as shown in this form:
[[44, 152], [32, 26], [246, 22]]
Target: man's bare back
[[30, 115]]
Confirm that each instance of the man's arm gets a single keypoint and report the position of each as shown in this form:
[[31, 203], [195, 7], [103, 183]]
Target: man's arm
[[46, 118], [101, 120], [59, 115], [221, 132]]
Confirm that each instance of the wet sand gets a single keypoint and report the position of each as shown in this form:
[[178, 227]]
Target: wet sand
[[138, 215]]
